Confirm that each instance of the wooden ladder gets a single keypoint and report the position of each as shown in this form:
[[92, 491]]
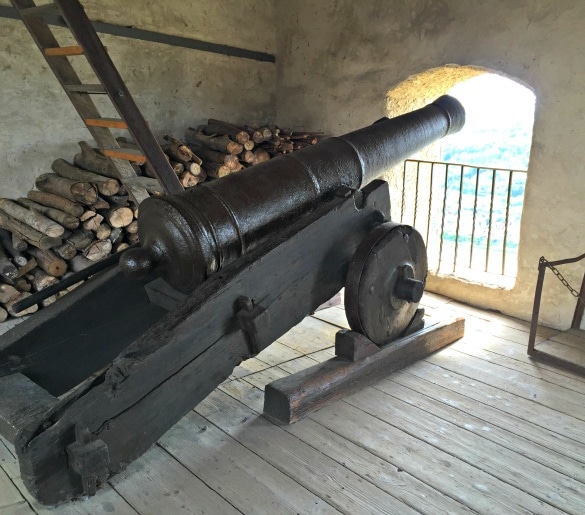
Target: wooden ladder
[[110, 83]]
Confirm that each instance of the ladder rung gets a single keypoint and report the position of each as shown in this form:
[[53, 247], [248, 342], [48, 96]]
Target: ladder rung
[[128, 154], [92, 89], [64, 51], [112, 123], [40, 10]]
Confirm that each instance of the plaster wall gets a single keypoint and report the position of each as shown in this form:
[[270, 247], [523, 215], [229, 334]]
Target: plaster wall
[[337, 60], [174, 87]]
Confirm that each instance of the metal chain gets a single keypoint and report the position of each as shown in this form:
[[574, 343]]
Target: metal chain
[[561, 278]]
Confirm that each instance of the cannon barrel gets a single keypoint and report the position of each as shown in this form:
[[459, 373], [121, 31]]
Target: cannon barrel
[[189, 236]]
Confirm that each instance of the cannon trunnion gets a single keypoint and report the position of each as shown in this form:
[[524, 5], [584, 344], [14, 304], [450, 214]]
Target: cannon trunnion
[[223, 271]]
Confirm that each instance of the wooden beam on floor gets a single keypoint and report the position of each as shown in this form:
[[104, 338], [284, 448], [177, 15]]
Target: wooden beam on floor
[[291, 398]]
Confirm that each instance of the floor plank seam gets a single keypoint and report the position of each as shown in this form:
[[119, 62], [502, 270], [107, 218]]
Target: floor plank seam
[[535, 401], [263, 459], [459, 458], [282, 428], [176, 458], [341, 464], [127, 501], [504, 413], [479, 435], [510, 367]]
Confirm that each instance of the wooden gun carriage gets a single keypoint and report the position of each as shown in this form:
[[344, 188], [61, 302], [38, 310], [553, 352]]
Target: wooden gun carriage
[[223, 270]]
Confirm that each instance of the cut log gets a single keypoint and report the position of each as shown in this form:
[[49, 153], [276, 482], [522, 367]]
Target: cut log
[[216, 170], [3, 315], [260, 155], [132, 228], [80, 239], [18, 243], [93, 161], [117, 235], [49, 300], [49, 262], [100, 204], [21, 284], [79, 263], [120, 216], [57, 202], [41, 279], [7, 268], [212, 156], [7, 293], [151, 185], [66, 251], [177, 167], [98, 250], [178, 151], [192, 168], [90, 213], [6, 242], [105, 185], [249, 145], [247, 157], [28, 311], [266, 133], [120, 247], [215, 127], [116, 200], [32, 218], [255, 135], [61, 217], [103, 232], [82, 192], [25, 269], [92, 224], [27, 233], [188, 180], [220, 143]]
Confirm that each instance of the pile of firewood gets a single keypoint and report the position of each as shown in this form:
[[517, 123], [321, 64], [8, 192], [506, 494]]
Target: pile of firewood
[[81, 213], [225, 148]]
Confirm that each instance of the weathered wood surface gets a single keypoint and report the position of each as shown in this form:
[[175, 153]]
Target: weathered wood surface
[[22, 403], [27, 233], [138, 392], [452, 438], [290, 399]]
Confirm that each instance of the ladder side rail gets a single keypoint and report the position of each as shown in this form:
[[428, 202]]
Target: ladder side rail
[[103, 66], [83, 104]]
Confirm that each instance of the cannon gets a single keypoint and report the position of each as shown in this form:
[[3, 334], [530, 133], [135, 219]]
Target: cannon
[[223, 270]]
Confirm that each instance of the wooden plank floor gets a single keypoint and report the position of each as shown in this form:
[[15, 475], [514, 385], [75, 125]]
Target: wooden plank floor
[[476, 427]]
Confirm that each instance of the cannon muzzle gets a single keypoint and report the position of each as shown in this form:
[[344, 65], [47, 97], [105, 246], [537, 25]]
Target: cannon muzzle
[[192, 235]]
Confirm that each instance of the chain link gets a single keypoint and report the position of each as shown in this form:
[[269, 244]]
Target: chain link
[[561, 278]]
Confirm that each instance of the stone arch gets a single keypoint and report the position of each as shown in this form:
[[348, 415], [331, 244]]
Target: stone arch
[[418, 91]]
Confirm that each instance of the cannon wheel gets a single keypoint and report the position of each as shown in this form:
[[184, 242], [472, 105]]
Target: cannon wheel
[[385, 282]]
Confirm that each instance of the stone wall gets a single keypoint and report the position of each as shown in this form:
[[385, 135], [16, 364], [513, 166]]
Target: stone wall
[[174, 87], [337, 60]]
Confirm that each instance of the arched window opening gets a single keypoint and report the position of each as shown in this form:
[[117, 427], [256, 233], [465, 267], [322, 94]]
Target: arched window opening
[[465, 193]]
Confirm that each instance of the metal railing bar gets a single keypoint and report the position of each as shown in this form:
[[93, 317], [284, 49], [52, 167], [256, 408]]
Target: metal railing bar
[[443, 217], [403, 191], [489, 236], [508, 196], [458, 217], [416, 193], [474, 216], [430, 205], [467, 165]]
